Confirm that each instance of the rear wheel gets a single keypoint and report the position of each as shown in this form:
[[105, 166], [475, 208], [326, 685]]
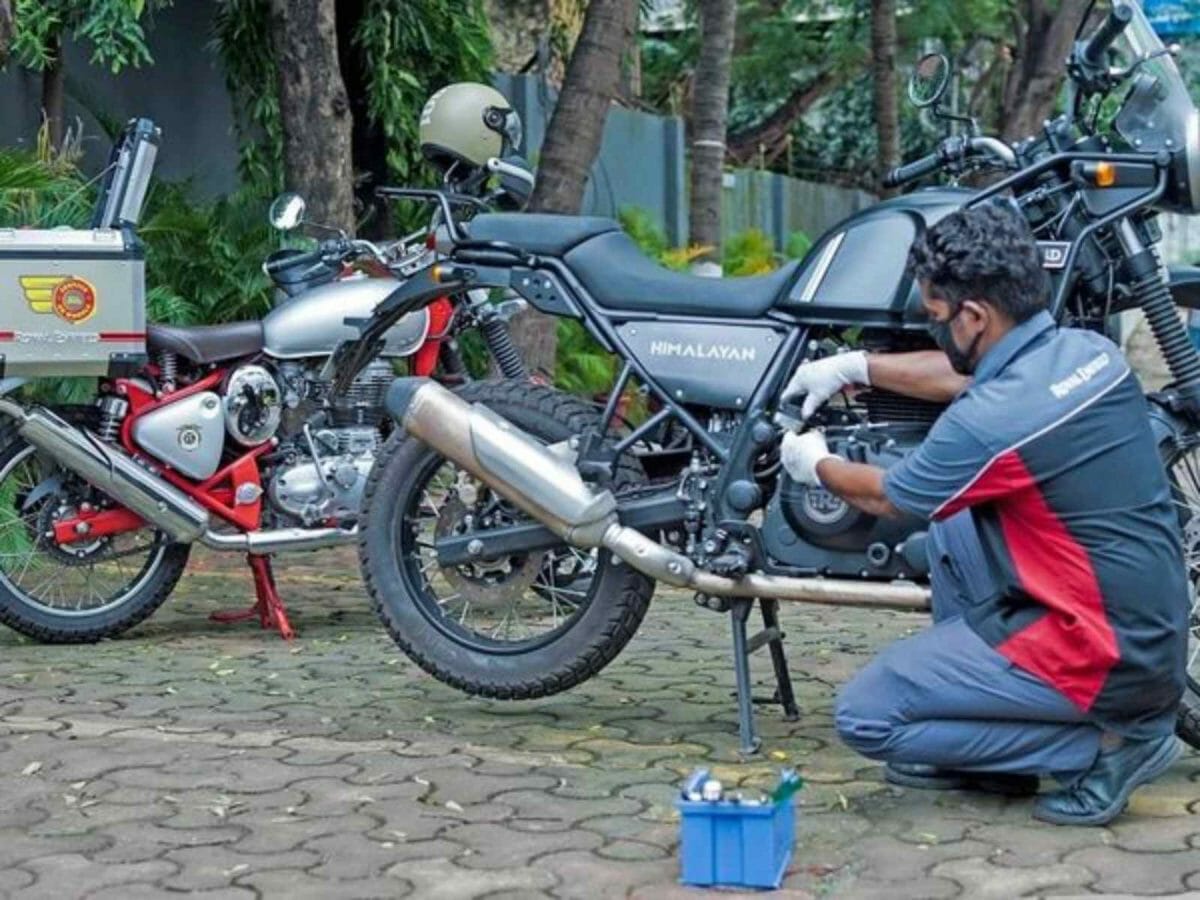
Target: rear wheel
[[517, 626], [79, 592], [1183, 469]]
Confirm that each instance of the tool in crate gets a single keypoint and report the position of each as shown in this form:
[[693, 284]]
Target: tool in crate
[[735, 839]]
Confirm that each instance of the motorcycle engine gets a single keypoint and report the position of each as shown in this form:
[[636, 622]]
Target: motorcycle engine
[[812, 529], [324, 479], [332, 486]]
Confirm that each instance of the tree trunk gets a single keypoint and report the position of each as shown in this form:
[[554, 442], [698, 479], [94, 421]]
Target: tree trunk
[[1035, 79], [54, 95], [314, 109], [883, 71], [6, 30], [573, 141], [710, 105]]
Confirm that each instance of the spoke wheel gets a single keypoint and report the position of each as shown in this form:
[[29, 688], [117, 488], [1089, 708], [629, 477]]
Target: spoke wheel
[[1183, 469], [513, 626], [74, 592]]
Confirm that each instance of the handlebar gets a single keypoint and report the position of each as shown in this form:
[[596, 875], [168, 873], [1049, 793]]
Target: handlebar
[[926, 165], [1113, 27], [273, 267]]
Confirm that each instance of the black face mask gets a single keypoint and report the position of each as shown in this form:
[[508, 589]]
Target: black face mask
[[962, 361]]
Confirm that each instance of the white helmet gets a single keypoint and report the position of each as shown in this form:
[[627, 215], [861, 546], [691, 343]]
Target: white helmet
[[468, 123]]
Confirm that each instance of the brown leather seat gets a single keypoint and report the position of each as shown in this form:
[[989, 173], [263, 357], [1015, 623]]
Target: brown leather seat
[[206, 343]]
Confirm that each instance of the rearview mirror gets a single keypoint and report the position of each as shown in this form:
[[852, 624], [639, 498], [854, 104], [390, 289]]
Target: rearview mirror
[[287, 212], [929, 80]]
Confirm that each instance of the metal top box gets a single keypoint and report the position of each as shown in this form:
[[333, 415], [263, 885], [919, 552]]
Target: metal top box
[[74, 301]]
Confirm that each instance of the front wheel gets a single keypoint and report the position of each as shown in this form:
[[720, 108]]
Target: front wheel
[[1183, 471], [79, 592], [517, 626]]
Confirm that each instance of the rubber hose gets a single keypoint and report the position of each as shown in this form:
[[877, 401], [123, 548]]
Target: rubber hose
[[1181, 357]]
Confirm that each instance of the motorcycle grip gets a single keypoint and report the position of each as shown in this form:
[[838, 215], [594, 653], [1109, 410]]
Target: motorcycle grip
[[274, 266], [926, 165]]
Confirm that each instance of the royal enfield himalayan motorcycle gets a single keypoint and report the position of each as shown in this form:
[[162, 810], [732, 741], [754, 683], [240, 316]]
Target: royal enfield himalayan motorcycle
[[513, 537], [226, 435]]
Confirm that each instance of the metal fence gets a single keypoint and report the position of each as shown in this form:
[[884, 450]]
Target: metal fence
[[642, 164]]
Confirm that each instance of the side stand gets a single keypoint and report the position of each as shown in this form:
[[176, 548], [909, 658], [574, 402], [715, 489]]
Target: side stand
[[771, 637]]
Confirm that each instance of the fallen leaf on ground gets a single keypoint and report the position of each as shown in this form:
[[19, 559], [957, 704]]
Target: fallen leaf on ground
[[453, 807], [32, 769]]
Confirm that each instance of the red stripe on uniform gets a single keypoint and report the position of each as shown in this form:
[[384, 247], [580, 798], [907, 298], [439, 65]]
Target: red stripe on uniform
[[1073, 647], [1004, 474]]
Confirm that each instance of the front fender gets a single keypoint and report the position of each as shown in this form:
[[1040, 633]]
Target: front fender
[[1185, 286]]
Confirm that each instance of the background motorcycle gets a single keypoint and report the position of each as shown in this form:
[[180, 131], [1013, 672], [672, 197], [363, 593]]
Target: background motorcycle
[[240, 422], [512, 546]]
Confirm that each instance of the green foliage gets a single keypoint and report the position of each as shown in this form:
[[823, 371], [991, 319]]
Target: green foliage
[[581, 365], [410, 50], [242, 35], [405, 51], [749, 253], [203, 261], [111, 28], [797, 246]]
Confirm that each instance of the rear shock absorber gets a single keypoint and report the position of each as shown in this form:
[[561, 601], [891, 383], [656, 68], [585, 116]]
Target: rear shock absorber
[[1154, 298], [500, 344]]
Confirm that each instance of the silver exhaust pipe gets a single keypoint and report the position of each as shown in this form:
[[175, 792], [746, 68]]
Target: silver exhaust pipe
[[159, 503], [281, 540], [550, 489]]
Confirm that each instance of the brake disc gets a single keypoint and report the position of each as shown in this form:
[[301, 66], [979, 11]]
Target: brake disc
[[485, 583]]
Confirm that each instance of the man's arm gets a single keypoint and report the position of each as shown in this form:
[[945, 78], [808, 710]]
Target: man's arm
[[923, 374], [859, 485]]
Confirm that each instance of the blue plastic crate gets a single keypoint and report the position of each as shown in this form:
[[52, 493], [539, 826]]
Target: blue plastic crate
[[735, 845]]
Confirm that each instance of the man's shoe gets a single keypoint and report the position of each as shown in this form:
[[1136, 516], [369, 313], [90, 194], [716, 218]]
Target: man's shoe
[[1101, 794], [931, 778]]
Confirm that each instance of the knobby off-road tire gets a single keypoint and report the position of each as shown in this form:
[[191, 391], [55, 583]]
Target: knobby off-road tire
[[43, 623], [575, 651], [1182, 472]]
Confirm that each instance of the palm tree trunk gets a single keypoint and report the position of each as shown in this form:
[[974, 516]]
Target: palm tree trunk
[[54, 95], [573, 141], [710, 106], [883, 70], [314, 108]]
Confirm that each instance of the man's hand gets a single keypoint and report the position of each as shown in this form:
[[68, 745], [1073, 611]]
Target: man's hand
[[801, 453], [822, 379]]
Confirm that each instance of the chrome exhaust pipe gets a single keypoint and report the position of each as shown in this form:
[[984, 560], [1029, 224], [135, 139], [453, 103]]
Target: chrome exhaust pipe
[[159, 503], [281, 540], [550, 489]]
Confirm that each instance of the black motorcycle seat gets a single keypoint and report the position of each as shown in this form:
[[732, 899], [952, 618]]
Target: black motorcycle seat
[[545, 234], [206, 343], [619, 276]]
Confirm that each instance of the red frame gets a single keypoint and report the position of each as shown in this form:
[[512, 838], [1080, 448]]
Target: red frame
[[217, 493]]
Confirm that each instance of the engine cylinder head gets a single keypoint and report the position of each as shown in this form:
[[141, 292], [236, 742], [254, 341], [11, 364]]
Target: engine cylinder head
[[362, 403]]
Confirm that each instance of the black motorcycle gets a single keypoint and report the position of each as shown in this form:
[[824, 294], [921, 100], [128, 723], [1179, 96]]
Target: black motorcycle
[[515, 534]]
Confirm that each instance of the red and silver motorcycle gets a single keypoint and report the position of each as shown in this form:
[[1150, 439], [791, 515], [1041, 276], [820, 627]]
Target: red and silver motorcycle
[[230, 435]]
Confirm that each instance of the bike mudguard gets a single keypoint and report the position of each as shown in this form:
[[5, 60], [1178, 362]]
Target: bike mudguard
[[1185, 286]]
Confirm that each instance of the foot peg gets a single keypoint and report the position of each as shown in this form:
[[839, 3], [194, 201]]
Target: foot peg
[[268, 608]]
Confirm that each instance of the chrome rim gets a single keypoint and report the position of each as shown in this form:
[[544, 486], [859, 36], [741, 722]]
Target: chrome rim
[[1185, 481], [77, 580], [509, 603]]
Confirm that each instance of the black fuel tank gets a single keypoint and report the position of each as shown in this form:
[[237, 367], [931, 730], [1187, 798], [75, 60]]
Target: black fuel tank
[[855, 274]]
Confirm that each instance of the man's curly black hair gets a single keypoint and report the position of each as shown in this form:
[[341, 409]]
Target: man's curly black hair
[[985, 253]]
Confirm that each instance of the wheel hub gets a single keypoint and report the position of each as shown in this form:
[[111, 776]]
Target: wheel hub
[[486, 583]]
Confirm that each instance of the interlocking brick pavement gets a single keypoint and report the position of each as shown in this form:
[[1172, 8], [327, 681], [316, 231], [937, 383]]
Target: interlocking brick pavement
[[192, 757]]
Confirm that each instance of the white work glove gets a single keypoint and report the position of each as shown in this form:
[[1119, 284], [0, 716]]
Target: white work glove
[[801, 453], [822, 379]]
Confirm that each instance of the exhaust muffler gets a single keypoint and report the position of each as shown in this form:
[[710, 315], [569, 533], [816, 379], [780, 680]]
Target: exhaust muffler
[[547, 487], [163, 505]]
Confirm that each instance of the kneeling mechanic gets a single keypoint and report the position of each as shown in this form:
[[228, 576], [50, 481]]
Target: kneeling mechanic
[[1060, 598]]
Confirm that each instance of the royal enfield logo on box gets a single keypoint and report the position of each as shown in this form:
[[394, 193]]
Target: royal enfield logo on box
[[683, 350], [70, 298]]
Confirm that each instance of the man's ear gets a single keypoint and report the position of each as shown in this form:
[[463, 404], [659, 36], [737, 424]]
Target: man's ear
[[977, 312]]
